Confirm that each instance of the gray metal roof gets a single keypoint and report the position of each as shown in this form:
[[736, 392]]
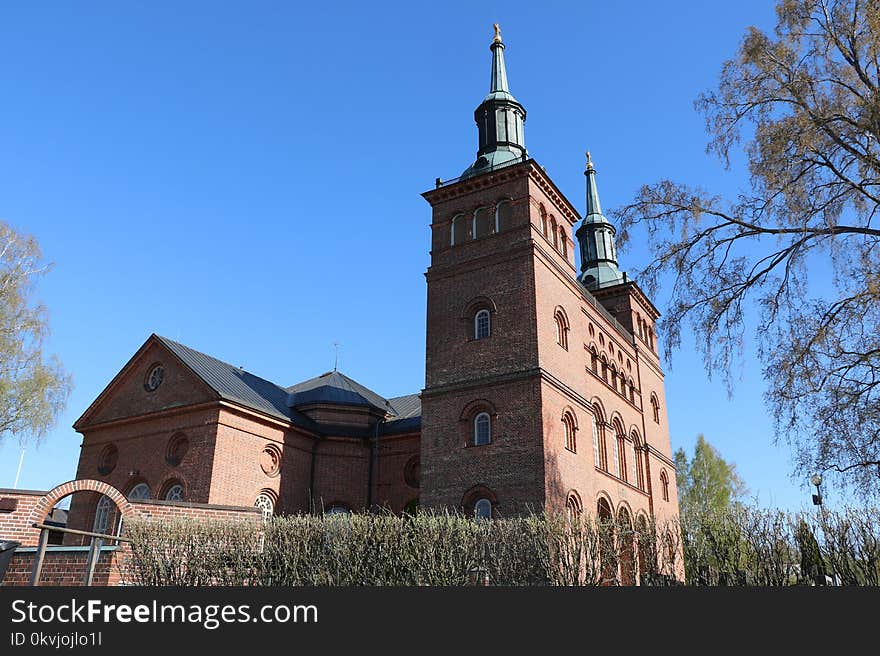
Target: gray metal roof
[[237, 385], [335, 387], [242, 387], [407, 406]]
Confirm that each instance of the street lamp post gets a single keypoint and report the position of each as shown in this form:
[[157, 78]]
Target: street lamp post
[[816, 479]]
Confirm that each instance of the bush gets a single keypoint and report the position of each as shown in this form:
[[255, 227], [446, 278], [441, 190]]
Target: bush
[[741, 546]]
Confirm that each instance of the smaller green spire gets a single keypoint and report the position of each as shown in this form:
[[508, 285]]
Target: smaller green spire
[[596, 238], [594, 209]]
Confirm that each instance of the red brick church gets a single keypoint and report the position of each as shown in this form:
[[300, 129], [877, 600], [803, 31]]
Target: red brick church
[[543, 388]]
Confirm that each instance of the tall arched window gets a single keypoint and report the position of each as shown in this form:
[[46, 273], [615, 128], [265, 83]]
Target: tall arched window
[[638, 478], [664, 484], [482, 324], [621, 455], [607, 554], [561, 329], [543, 221], [655, 408], [615, 445], [563, 240], [626, 547], [604, 369], [482, 429], [569, 428], [553, 230], [572, 508], [454, 225], [594, 360], [502, 215], [102, 514], [483, 509], [600, 453]]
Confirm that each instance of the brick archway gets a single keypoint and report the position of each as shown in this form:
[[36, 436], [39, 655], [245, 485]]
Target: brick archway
[[44, 506]]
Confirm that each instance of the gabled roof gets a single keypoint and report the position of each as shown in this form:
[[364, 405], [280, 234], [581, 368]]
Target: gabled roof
[[237, 385], [336, 388]]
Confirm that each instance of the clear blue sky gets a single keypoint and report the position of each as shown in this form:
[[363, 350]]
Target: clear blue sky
[[245, 177]]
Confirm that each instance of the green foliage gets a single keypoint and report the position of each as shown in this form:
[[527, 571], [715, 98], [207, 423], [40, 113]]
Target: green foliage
[[33, 388], [706, 482]]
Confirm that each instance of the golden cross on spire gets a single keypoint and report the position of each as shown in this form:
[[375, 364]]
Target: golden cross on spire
[[497, 38]]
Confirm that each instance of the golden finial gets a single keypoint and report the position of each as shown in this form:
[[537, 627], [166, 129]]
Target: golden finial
[[589, 161], [497, 38]]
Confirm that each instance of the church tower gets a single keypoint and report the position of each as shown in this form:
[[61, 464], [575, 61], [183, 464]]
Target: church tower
[[542, 387]]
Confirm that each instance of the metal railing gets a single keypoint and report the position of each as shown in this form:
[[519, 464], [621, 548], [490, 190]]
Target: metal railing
[[95, 544]]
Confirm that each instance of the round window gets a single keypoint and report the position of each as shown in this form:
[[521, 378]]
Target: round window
[[109, 458], [154, 378]]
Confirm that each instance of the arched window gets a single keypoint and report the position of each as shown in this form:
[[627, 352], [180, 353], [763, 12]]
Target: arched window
[[483, 509], [454, 225], [482, 429], [102, 514], [655, 408], [607, 554], [139, 492], [563, 240], [174, 493], [544, 221], [599, 452], [621, 455], [615, 445], [553, 230], [645, 548], [484, 221], [572, 508], [502, 215], [664, 484], [604, 369], [594, 360], [482, 324], [626, 548], [266, 503], [638, 478], [561, 329], [632, 393], [569, 427]]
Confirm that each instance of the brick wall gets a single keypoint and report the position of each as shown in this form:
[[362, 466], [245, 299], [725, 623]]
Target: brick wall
[[66, 565], [16, 507]]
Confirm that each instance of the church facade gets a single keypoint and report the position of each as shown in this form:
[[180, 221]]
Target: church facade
[[543, 387]]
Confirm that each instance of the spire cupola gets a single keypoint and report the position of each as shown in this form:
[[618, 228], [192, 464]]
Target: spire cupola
[[596, 238], [500, 119]]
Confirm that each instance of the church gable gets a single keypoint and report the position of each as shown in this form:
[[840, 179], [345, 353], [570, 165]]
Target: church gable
[[153, 380]]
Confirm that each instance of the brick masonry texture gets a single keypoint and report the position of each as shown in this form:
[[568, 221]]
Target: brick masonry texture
[[520, 375]]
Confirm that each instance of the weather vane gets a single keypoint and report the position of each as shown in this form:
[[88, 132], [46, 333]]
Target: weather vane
[[336, 358], [589, 161], [497, 38]]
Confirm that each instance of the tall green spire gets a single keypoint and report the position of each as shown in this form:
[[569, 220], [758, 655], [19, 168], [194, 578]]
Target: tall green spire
[[500, 119], [596, 239]]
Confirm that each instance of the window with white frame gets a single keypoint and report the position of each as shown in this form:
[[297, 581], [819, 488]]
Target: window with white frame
[[483, 509], [482, 324], [482, 429]]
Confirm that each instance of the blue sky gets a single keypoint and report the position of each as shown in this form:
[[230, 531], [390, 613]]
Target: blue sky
[[246, 177]]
